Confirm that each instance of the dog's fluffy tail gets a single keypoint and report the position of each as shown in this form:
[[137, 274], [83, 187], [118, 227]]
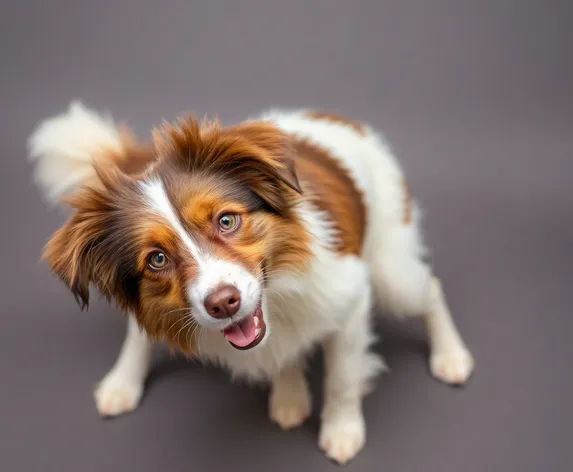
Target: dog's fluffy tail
[[65, 147]]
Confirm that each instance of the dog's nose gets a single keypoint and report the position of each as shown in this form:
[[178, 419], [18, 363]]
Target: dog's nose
[[223, 302]]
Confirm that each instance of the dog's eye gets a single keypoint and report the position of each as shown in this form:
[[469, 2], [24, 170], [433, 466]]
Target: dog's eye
[[157, 260], [229, 222]]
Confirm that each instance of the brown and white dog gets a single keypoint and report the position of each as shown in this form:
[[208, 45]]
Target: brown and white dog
[[246, 246]]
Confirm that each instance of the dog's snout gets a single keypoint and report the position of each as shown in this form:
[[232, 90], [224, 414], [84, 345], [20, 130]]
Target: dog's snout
[[223, 302]]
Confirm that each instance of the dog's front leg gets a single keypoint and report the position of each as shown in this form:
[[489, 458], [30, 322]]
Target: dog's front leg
[[349, 366], [121, 389], [290, 399]]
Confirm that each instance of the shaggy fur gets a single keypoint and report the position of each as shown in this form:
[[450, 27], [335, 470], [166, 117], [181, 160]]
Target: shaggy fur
[[246, 246]]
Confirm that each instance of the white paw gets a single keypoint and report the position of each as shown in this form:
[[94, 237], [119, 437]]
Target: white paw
[[454, 367], [342, 437], [115, 396], [290, 409]]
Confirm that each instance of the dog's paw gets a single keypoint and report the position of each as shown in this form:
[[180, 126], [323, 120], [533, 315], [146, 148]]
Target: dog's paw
[[342, 437], [289, 409], [453, 367], [115, 396]]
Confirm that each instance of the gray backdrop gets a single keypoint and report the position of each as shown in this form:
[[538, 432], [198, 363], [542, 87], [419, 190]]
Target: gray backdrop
[[476, 98]]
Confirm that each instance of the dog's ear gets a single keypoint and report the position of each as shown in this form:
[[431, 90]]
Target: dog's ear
[[275, 151], [256, 153], [70, 256], [266, 163], [87, 249]]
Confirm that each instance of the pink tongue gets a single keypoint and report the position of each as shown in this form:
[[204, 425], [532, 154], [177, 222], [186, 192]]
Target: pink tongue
[[241, 334]]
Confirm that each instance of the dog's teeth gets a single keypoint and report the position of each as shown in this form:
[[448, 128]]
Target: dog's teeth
[[257, 321], [257, 332]]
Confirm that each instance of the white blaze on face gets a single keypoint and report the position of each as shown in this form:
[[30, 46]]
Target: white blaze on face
[[158, 200], [212, 272]]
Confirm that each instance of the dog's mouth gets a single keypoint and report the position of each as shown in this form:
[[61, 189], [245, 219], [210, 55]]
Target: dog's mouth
[[248, 332]]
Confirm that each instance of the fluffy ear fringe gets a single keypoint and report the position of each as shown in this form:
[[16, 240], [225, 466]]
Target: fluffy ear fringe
[[84, 250], [67, 254]]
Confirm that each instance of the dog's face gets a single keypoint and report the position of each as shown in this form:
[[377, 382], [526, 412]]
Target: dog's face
[[189, 244]]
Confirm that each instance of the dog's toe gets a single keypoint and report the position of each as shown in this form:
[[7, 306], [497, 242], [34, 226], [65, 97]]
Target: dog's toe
[[288, 417], [342, 438], [115, 396], [453, 368], [290, 411]]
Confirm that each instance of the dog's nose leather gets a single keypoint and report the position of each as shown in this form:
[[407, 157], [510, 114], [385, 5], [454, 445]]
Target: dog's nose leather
[[223, 302]]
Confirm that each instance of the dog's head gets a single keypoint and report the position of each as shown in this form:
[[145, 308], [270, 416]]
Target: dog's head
[[189, 243]]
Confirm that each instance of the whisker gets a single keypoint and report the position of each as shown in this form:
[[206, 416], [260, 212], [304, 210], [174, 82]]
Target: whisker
[[275, 292], [177, 320], [190, 333], [176, 310], [189, 322]]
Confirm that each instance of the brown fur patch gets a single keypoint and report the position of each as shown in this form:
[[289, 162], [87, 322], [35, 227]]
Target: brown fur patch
[[89, 247], [330, 187], [137, 156], [335, 118], [256, 154]]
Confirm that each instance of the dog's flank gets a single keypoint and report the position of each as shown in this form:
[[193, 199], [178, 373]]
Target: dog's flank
[[246, 246]]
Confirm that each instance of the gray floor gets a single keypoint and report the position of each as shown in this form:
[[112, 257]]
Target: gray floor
[[476, 97]]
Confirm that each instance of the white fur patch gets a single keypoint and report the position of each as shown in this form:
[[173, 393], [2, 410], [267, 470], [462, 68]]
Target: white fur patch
[[221, 272], [63, 147], [158, 201]]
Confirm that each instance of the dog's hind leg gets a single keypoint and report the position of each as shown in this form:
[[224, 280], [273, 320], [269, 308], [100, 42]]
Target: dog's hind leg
[[450, 360], [405, 286]]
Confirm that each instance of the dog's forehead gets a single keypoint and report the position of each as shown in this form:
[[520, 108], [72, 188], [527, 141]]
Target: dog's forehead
[[186, 202], [158, 203], [194, 193]]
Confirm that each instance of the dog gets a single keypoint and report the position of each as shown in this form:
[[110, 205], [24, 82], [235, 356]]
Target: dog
[[246, 246]]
